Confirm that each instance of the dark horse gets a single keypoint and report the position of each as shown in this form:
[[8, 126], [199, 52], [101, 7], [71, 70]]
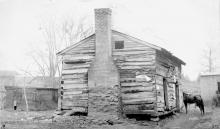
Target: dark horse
[[190, 99]]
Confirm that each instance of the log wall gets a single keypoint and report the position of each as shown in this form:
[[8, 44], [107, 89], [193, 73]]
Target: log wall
[[169, 69], [76, 63], [134, 61]]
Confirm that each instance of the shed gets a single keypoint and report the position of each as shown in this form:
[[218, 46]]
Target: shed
[[38, 98], [115, 71], [209, 84]]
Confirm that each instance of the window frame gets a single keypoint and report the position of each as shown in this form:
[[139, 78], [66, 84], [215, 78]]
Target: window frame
[[120, 45]]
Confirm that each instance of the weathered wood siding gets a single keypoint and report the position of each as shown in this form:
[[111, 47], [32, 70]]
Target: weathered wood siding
[[138, 95], [169, 69], [76, 63]]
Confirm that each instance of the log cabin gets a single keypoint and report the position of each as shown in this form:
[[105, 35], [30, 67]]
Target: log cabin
[[113, 71]]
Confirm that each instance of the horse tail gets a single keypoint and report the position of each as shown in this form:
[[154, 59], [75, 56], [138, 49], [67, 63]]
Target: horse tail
[[202, 106]]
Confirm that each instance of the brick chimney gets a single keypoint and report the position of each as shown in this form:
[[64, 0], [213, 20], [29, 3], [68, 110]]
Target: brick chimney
[[103, 71]]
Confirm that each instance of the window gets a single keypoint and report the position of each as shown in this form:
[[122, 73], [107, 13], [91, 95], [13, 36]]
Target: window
[[119, 44]]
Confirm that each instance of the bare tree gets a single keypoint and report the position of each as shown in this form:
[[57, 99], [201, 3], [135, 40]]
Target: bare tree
[[208, 60], [56, 38]]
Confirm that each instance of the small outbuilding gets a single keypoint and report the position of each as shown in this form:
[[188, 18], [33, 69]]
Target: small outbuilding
[[209, 85], [110, 70]]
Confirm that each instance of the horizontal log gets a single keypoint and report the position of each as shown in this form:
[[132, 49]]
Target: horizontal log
[[133, 52], [134, 49], [139, 101], [138, 95], [76, 62], [76, 58], [128, 84], [84, 89], [144, 55], [137, 67], [70, 86], [80, 103], [76, 66], [76, 99], [138, 107], [136, 80], [75, 76], [135, 58], [76, 109], [134, 63], [160, 70], [77, 96], [76, 81], [74, 71], [142, 71], [149, 112], [82, 51], [127, 79], [127, 75], [74, 92], [137, 89]]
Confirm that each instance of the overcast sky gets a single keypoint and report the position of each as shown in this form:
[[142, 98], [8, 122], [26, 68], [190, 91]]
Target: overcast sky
[[184, 27]]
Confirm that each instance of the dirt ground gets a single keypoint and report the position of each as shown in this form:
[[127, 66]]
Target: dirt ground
[[47, 120]]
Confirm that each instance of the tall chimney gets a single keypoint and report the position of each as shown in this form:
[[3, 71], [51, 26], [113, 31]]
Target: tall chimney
[[103, 70], [103, 34]]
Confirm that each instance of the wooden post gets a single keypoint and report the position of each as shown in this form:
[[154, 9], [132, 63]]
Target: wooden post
[[165, 93], [177, 97]]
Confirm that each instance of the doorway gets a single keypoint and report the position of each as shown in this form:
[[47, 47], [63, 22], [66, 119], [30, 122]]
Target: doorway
[[165, 93]]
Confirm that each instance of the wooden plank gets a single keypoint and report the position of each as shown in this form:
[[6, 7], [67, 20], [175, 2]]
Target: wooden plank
[[138, 107], [74, 76], [137, 89], [75, 66], [77, 109], [148, 70], [149, 112], [85, 89], [74, 92], [160, 70], [134, 63], [139, 101], [134, 59], [76, 81], [133, 67], [127, 79], [138, 95], [144, 48], [74, 71], [126, 75], [82, 51], [78, 96], [80, 103], [70, 86], [83, 79], [92, 53], [128, 84], [133, 52], [76, 58]]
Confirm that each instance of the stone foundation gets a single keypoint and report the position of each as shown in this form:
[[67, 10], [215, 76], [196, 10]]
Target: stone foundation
[[104, 99]]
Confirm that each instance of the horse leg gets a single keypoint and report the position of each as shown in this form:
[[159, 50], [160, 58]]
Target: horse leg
[[185, 106]]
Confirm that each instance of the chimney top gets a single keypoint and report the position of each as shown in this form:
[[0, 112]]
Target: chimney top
[[103, 11]]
